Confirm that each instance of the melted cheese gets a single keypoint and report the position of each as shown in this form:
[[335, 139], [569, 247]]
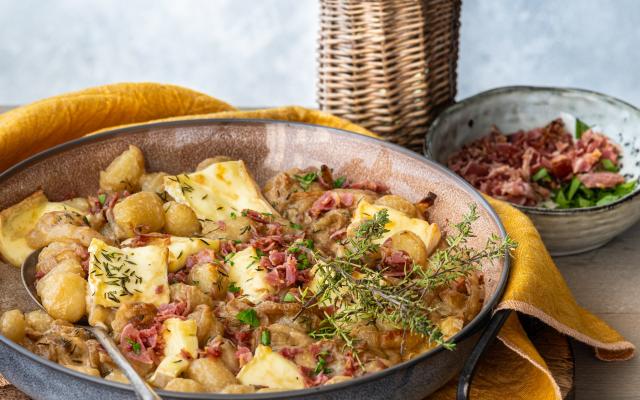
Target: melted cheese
[[270, 369], [179, 337], [18, 220], [218, 192], [180, 248], [145, 266], [246, 273], [398, 222]]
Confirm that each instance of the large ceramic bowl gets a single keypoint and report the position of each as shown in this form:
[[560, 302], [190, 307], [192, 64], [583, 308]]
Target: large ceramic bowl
[[566, 231], [267, 147]]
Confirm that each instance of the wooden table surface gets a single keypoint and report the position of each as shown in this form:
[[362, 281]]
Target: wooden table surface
[[606, 281]]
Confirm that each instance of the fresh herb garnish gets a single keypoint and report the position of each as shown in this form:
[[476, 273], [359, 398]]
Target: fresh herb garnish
[[289, 298], [249, 317], [371, 297], [303, 261], [293, 225], [265, 337], [608, 165], [306, 180], [573, 187], [338, 183], [541, 174], [102, 198], [233, 288], [321, 366], [575, 194], [135, 346], [581, 128]]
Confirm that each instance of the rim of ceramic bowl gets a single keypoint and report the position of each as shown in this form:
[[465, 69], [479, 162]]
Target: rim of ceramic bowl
[[480, 97], [484, 314]]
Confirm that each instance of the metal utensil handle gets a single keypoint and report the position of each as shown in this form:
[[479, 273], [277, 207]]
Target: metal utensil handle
[[140, 386], [486, 339]]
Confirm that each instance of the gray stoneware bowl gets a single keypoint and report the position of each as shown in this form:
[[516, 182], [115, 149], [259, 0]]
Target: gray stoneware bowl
[[267, 147], [567, 231]]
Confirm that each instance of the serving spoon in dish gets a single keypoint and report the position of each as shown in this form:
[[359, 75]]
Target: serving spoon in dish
[[140, 386]]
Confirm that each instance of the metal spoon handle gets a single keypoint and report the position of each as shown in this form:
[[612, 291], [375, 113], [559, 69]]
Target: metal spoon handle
[[141, 387]]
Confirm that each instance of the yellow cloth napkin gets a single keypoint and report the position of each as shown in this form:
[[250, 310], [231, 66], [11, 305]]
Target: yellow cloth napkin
[[511, 370]]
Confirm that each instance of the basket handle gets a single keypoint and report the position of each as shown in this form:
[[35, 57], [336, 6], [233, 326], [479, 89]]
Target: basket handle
[[488, 336]]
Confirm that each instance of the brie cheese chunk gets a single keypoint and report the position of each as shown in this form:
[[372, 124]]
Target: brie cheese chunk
[[398, 222], [246, 273], [18, 220], [180, 346], [218, 192], [180, 248], [118, 276], [271, 369]]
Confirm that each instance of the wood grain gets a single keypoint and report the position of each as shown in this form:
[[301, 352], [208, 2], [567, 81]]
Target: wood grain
[[607, 282]]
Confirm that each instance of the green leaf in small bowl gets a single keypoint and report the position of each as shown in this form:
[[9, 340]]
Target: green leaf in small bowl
[[607, 199], [608, 165], [581, 128], [573, 188], [541, 174], [586, 192], [583, 203], [561, 200], [624, 189]]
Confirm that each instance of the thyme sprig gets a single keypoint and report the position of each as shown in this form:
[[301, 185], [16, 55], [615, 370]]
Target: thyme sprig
[[358, 290]]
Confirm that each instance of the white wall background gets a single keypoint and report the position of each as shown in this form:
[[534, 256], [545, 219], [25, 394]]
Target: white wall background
[[262, 52]]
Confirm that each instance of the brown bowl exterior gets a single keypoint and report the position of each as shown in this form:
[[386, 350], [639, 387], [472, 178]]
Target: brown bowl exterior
[[267, 147]]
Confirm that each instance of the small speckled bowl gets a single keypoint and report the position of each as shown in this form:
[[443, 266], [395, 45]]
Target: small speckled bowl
[[566, 231], [267, 147]]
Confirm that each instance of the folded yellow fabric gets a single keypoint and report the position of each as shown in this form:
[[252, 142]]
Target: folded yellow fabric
[[512, 369]]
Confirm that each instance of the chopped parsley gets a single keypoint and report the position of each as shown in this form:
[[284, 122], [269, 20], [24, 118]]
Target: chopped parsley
[[233, 215], [102, 198], [249, 317], [233, 288], [295, 226], [321, 365], [135, 346], [303, 261], [289, 298], [265, 337], [306, 180], [338, 183]]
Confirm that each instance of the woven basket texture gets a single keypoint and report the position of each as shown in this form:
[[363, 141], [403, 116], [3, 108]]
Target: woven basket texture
[[388, 65]]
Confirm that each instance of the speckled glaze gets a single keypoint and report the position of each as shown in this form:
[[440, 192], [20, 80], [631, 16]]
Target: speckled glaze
[[267, 147], [513, 108]]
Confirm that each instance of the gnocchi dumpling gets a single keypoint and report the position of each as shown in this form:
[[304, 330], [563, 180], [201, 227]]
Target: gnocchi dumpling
[[139, 213], [13, 325], [124, 172], [63, 295]]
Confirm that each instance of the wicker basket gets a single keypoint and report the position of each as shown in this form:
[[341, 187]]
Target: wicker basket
[[388, 65]]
